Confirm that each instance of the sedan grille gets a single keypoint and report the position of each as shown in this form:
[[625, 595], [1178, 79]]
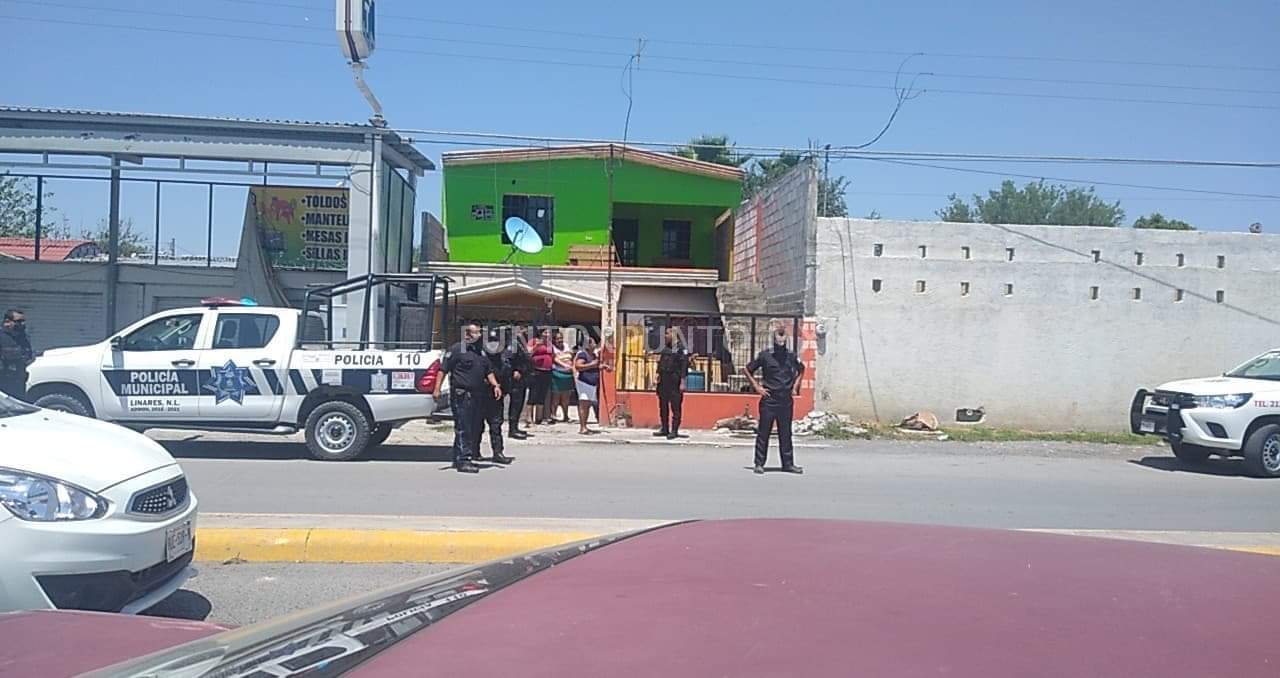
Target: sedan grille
[[160, 500]]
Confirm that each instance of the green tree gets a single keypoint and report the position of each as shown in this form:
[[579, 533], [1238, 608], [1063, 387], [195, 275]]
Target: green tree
[[714, 148], [1035, 203], [1158, 221], [831, 190], [18, 207], [760, 172], [132, 243]]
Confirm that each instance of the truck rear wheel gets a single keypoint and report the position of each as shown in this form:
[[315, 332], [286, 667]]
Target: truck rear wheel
[[1262, 452], [60, 401], [1190, 454], [337, 431]]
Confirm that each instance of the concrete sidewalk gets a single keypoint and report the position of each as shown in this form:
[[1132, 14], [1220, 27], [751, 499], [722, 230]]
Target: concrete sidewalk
[[421, 432], [299, 538]]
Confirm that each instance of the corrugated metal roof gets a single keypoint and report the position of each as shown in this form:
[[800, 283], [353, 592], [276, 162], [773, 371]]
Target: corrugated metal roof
[[401, 145], [170, 116]]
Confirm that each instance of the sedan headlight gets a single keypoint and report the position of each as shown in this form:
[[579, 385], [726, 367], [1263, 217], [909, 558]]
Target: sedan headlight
[[1222, 402], [41, 499]]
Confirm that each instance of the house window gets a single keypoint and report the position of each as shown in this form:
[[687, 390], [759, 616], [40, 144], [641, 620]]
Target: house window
[[538, 210], [626, 240], [675, 239]]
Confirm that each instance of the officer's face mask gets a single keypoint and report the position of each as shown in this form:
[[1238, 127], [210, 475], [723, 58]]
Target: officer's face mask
[[492, 346], [779, 340]]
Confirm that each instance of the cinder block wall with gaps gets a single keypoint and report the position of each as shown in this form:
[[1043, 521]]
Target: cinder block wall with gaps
[[1029, 343]]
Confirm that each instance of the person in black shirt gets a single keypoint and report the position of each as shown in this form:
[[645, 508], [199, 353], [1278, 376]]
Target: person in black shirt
[[673, 367], [15, 354], [470, 375], [491, 402], [517, 356], [781, 371]]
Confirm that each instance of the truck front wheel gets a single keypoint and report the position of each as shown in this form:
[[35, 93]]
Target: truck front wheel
[[1262, 452], [337, 431], [59, 401], [1190, 454]]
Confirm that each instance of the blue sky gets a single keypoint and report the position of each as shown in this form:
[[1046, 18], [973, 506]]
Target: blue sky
[[439, 75]]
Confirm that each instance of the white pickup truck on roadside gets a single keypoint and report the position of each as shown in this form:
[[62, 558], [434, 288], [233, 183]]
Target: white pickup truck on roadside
[[1233, 415], [231, 366]]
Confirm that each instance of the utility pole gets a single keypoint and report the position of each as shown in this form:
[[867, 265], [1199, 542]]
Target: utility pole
[[822, 185]]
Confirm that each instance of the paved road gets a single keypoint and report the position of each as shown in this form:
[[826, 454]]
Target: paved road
[[1010, 485], [243, 594]]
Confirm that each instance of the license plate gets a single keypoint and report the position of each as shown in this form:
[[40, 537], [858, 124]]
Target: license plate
[[1147, 426], [178, 541]]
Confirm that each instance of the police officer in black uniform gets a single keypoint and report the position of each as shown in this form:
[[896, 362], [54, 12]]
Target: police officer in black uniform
[[470, 376], [491, 401], [517, 356], [781, 370], [15, 354], [673, 367]]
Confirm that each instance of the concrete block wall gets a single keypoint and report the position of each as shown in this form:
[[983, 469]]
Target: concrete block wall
[[1045, 327], [773, 240]]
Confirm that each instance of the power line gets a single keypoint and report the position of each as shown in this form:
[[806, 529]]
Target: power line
[[781, 47], [1090, 182], [863, 154], [705, 74], [853, 192], [679, 59]]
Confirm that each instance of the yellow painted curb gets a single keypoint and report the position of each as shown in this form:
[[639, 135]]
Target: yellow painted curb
[[1264, 550], [324, 545]]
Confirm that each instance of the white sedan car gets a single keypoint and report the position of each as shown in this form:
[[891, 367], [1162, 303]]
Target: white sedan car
[[92, 516]]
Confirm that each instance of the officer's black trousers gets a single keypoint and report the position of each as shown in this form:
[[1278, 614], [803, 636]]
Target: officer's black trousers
[[467, 416], [775, 411], [492, 418], [670, 402], [515, 408], [13, 384]]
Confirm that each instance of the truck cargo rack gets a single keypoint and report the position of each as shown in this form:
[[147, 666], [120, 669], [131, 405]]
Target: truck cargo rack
[[427, 291]]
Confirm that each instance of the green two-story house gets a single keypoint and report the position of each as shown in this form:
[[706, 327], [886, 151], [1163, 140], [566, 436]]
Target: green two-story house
[[667, 211]]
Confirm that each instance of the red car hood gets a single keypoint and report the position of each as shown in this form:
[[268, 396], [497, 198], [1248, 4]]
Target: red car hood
[[63, 643]]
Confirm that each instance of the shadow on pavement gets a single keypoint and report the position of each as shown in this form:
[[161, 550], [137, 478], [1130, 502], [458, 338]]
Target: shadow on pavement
[[233, 449], [183, 604], [1214, 467]]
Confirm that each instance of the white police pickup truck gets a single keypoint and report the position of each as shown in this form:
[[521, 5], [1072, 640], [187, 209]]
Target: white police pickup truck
[[1236, 414], [229, 366]]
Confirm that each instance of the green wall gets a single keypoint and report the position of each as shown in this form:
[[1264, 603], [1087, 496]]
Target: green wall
[[581, 191], [702, 224]]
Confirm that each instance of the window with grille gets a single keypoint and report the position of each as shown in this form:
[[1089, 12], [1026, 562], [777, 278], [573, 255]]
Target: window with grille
[[675, 239]]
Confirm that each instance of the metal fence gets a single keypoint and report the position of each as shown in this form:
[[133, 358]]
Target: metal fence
[[721, 344], [162, 221]]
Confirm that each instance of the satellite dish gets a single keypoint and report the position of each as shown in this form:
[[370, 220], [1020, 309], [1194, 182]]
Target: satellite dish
[[522, 235]]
